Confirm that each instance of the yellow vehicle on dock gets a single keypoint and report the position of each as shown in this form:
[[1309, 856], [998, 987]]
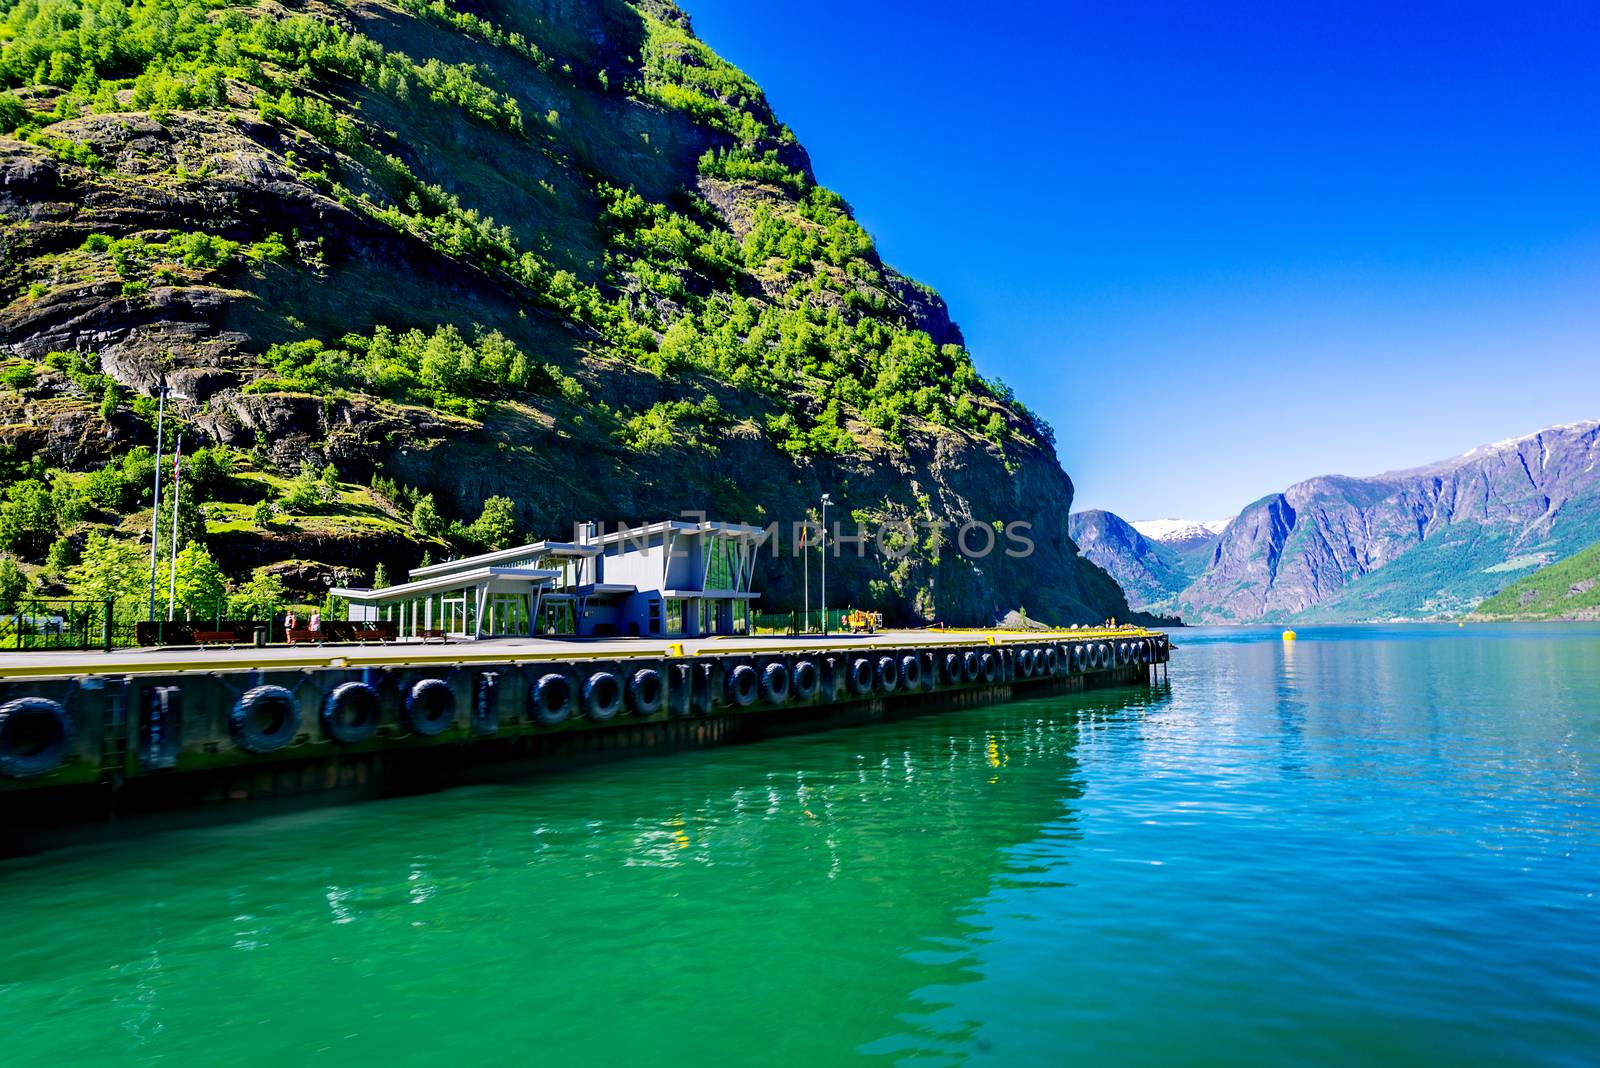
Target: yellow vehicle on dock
[[859, 621]]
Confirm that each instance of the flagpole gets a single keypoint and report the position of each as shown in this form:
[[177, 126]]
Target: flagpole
[[172, 571]]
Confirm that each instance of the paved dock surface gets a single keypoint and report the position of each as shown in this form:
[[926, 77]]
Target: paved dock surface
[[494, 650]]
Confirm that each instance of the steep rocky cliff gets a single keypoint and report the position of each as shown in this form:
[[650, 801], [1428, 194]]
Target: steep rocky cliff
[[1420, 543], [1150, 573], [551, 250]]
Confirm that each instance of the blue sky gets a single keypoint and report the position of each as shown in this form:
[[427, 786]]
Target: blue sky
[[1223, 247]]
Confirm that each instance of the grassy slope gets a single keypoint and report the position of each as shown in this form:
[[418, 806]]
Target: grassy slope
[[1566, 589]]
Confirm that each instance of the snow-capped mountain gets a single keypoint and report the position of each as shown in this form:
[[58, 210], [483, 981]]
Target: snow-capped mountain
[[1180, 530]]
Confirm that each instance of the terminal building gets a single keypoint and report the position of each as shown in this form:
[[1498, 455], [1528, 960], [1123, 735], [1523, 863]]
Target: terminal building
[[668, 578]]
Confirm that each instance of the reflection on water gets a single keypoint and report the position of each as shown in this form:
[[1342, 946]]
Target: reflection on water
[[1367, 844]]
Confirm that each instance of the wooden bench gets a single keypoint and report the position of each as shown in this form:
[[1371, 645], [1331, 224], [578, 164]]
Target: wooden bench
[[302, 634], [433, 634], [215, 637]]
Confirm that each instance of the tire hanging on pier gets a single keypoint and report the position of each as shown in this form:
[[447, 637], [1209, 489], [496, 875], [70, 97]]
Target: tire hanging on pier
[[350, 713], [887, 674], [807, 678], [429, 708], [774, 684], [991, 667], [646, 692], [264, 719], [1024, 663], [1052, 661], [35, 734], [950, 668], [859, 679], [911, 672], [550, 699], [969, 666], [602, 696], [742, 686]]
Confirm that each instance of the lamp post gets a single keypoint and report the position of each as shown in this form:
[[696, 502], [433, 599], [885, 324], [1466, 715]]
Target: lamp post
[[155, 504], [824, 598]]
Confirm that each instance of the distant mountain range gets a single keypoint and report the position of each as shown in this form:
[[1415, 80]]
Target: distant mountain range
[[1423, 543]]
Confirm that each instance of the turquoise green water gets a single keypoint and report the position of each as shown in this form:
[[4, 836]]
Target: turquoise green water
[[1374, 845]]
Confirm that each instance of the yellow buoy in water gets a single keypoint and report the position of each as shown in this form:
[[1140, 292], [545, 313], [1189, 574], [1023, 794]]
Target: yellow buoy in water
[[1288, 635]]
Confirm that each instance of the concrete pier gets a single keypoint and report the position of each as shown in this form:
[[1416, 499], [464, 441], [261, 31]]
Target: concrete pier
[[87, 735]]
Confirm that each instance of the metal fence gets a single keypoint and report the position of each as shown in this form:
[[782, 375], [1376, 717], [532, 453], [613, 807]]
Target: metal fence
[[63, 623], [797, 622]]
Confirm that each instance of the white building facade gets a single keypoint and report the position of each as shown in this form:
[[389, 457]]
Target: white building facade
[[663, 579]]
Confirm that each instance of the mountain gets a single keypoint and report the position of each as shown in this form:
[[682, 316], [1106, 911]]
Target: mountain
[[1149, 572], [1191, 540], [1567, 589], [428, 275], [1415, 544]]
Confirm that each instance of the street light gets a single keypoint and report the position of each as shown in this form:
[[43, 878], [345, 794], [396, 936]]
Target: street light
[[825, 502]]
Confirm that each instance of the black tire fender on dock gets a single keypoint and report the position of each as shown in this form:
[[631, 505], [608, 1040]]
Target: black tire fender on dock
[[991, 667], [264, 719], [775, 683], [911, 672], [969, 666], [429, 707], [550, 699], [1024, 663], [859, 679], [350, 713], [887, 674], [742, 686], [807, 678], [646, 692], [950, 668], [602, 696], [35, 734], [1052, 661]]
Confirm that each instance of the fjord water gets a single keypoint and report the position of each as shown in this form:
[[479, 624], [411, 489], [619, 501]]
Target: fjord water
[[1374, 844]]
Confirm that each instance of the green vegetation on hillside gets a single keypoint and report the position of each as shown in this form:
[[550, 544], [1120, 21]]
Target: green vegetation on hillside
[[1566, 589], [526, 232]]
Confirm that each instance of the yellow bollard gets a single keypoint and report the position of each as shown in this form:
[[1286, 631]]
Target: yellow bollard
[[675, 649]]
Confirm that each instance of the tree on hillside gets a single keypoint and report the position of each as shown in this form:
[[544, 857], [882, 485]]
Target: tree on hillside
[[111, 568], [496, 527], [200, 585], [13, 584], [259, 595], [426, 518]]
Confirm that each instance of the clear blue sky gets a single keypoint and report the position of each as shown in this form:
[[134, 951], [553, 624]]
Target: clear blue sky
[[1316, 241]]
